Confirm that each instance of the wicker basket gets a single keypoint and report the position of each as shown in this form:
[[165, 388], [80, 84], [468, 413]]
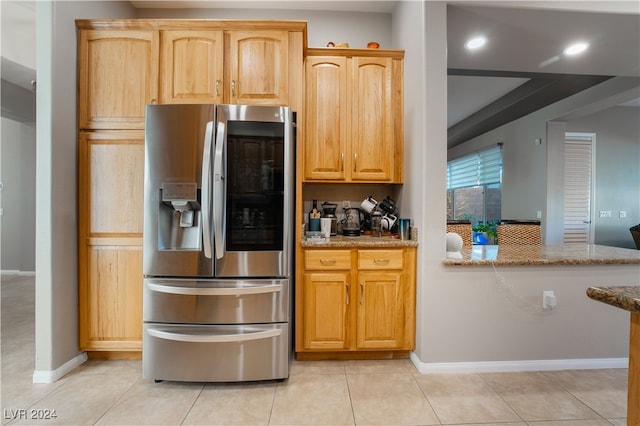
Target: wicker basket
[[519, 234], [635, 233], [464, 230]]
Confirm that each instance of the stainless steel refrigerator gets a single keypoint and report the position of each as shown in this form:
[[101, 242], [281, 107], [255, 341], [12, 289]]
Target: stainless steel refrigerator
[[218, 242]]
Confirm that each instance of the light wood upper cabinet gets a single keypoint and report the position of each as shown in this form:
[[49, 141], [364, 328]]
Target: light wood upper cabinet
[[372, 136], [118, 77], [354, 116], [192, 63], [258, 64], [327, 115]]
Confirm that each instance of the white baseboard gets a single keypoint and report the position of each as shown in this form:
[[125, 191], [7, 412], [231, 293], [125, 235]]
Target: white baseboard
[[511, 366], [17, 272], [52, 376]]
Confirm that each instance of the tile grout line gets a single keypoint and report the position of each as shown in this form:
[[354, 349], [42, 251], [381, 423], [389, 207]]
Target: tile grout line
[[195, 400]]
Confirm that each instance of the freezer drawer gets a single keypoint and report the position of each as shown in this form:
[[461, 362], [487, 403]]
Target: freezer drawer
[[216, 353], [216, 301]]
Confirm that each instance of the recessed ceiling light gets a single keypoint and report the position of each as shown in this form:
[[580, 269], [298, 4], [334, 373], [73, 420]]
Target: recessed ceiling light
[[576, 49], [476, 42]]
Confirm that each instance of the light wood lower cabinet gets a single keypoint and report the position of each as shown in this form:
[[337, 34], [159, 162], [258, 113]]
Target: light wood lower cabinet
[[356, 301]]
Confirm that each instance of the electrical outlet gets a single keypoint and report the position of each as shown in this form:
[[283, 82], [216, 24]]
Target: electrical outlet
[[623, 213], [346, 204], [548, 299], [605, 213]]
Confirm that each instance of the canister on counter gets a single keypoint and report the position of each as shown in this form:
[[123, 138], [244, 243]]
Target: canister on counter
[[376, 224]]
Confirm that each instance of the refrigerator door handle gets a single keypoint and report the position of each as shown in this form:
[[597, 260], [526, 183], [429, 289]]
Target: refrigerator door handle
[[225, 291], [223, 338], [206, 191], [218, 192]]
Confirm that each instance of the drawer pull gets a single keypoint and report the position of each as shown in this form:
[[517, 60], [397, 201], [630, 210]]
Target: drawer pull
[[381, 261], [224, 338], [224, 291], [328, 261]]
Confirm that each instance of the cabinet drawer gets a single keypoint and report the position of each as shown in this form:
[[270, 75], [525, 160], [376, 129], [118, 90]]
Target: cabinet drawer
[[379, 259], [327, 259]]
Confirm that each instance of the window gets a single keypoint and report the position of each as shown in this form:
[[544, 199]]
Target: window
[[474, 186]]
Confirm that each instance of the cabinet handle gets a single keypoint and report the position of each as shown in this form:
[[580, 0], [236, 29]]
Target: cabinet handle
[[347, 290], [342, 162], [153, 101], [217, 87], [361, 293], [330, 261], [233, 87], [355, 161], [379, 261]]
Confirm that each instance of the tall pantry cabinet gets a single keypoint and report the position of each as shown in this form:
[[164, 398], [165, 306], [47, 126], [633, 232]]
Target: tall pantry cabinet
[[123, 65]]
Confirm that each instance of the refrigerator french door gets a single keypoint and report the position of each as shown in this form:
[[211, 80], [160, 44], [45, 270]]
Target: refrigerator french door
[[218, 241]]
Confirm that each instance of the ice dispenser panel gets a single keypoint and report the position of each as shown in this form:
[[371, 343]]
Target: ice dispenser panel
[[179, 217]]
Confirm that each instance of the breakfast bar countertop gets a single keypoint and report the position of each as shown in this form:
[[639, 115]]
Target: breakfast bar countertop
[[623, 297], [564, 254]]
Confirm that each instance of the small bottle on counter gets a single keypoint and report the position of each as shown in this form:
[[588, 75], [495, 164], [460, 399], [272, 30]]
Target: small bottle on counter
[[314, 217]]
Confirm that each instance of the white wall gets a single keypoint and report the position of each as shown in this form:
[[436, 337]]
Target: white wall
[[19, 32], [18, 144], [18, 168], [355, 28], [617, 168]]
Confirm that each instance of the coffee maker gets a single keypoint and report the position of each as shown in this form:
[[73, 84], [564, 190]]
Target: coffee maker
[[329, 211]]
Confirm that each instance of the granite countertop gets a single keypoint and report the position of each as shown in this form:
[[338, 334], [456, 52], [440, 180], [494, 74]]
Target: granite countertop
[[624, 297], [340, 241], [567, 254]]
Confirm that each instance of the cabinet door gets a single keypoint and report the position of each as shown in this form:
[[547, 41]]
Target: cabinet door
[[380, 322], [191, 66], [326, 303], [111, 183], [111, 299], [327, 115], [372, 126], [259, 64], [118, 77]]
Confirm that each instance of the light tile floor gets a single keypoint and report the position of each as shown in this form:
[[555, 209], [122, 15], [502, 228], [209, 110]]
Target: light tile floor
[[388, 392]]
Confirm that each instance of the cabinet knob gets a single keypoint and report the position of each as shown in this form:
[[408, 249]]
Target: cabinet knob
[[153, 101]]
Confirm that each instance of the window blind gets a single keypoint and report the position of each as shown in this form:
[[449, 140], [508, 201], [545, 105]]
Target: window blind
[[480, 168]]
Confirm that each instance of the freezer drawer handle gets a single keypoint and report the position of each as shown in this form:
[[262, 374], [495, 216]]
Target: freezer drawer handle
[[228, 291], [225, 338]]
